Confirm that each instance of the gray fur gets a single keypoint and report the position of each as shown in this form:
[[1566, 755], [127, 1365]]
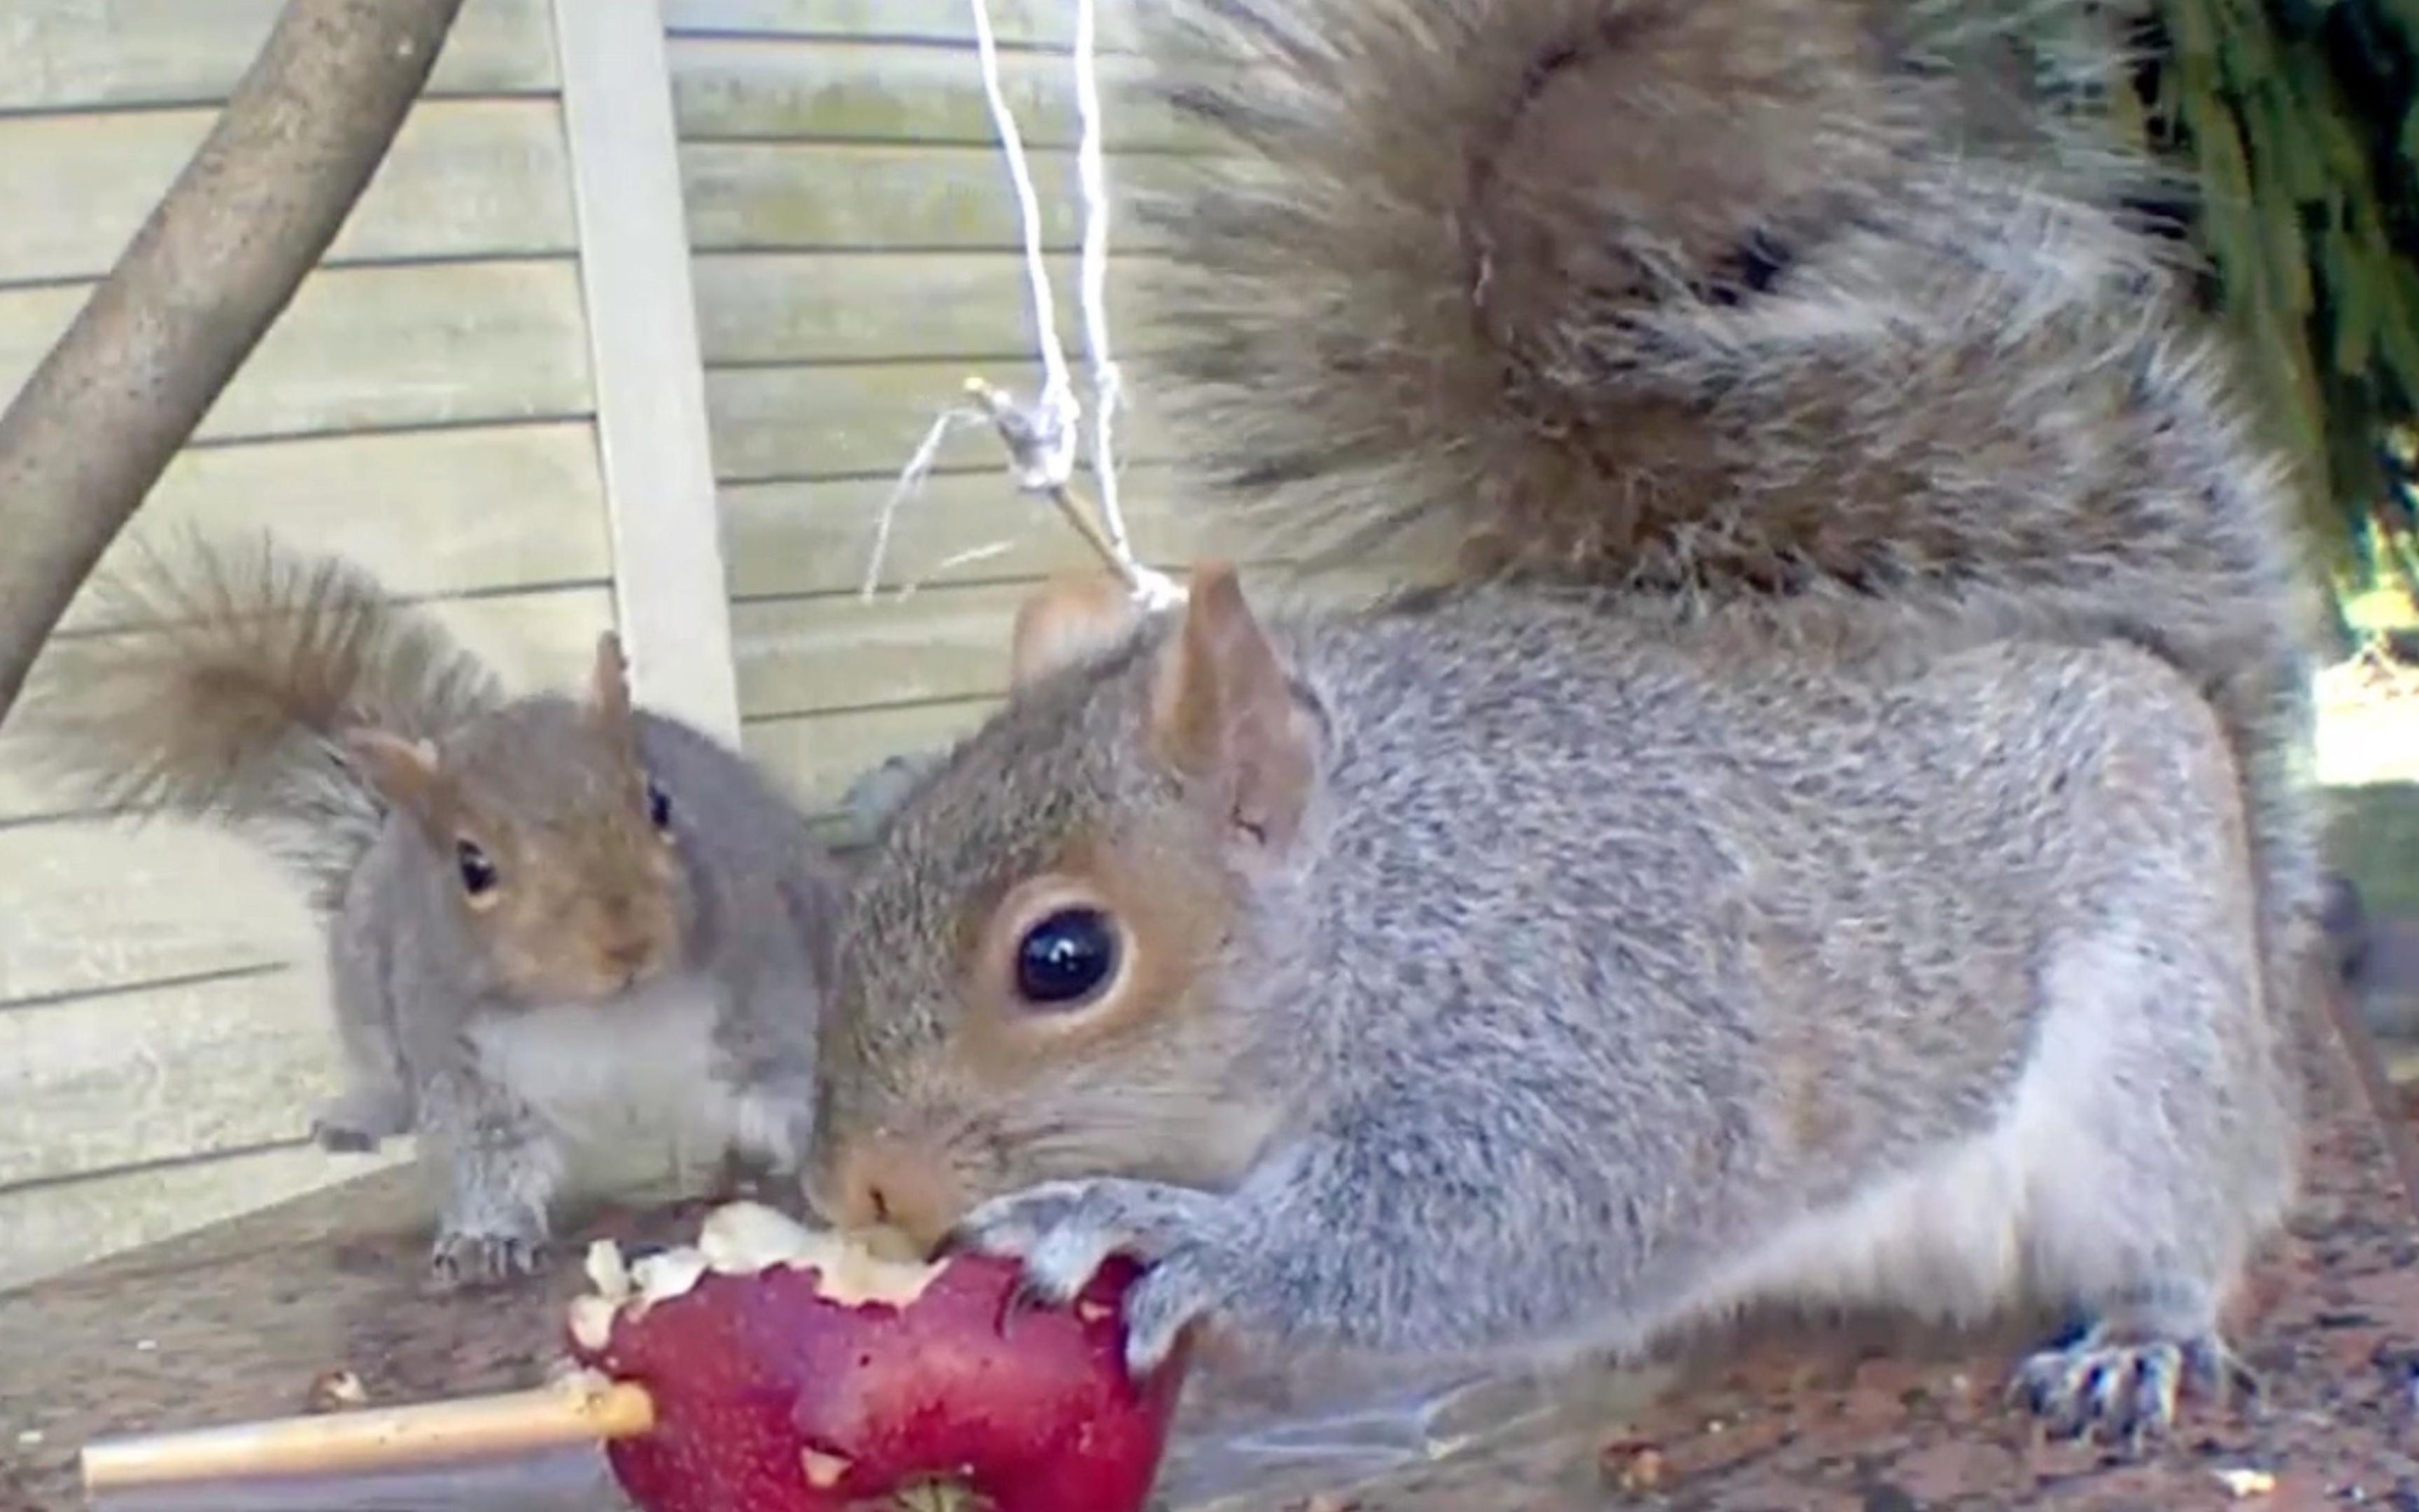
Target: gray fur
[[758, 904], [1416, 302], [499, 1038], [1854, 852], [1773, 1005]]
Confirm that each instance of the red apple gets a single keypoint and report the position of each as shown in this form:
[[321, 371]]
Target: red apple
[[794, 1371]]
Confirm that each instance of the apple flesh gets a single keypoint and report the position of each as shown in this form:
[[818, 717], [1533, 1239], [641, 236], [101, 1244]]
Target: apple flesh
[[797, 1371]]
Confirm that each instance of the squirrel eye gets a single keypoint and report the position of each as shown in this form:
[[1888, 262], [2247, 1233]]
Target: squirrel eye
[[478, 873], [659, 805], [1066, 958]]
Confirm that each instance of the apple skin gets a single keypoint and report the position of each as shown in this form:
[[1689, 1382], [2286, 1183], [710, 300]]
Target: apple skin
[[771, 1397]]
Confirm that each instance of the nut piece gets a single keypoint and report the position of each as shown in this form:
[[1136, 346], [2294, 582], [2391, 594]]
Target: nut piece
[[744, 1238], [667, 1274], [592, 1322], [2246, 1483], [1634, 1465], [606, 1270], [332, 1391], [1644, 1471]]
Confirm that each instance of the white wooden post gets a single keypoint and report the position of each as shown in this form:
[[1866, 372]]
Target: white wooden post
[[671, 595]]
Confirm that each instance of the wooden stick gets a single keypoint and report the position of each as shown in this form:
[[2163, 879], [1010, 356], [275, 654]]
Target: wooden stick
[[388, 1438]]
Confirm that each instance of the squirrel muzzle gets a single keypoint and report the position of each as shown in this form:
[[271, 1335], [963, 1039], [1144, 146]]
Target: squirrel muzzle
[[885, 1179]]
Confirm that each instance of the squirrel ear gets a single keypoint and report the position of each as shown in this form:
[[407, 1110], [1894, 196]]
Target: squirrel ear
[[608, 682], [405, 772], [1225, 713], [1071, 616]]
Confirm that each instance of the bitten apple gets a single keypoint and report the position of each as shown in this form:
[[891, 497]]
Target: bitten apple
[[797, 1371]]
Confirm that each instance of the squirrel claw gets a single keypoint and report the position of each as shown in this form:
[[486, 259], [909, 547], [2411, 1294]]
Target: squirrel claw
[[1014, 1224], [458, 1261], [2124, 1390], [1168, 1300], [1024, 1297], [1063, 1230]]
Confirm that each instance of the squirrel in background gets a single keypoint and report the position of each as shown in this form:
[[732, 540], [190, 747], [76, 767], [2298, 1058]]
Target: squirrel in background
[[554, 926], [1837, 840]]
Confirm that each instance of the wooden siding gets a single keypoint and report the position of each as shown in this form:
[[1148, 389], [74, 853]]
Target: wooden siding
[[426, 406], [857, 257]]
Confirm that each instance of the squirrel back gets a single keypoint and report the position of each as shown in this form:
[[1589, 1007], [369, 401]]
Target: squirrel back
[[1710, 303], [225, 685]]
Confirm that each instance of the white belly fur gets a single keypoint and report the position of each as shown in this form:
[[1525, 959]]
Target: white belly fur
[[639, 1079]]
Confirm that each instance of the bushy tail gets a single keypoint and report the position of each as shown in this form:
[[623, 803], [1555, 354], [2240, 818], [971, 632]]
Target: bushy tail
[[1722, 299], [1712, 294], [220, 684]]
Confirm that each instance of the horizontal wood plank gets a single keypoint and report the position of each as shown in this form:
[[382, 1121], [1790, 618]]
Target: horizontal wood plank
[[893, 306], [465, 177], [92, 1085], [860, 195], [533, 640], [73, 54], [369, 348], [840, 651], [858, 420], [52, 1229], [727, 87], [89, 904], [1050, 23], [432, 513], [819, 755], [88, 1084], [791, 539], [799, 655]]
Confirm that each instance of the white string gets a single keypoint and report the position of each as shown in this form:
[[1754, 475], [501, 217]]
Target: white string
[[1092, 180], [1155, 588], [910, 479], [1043, 439], [1055, 460]]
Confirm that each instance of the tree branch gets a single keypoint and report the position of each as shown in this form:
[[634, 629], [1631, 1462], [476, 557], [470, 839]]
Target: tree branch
[[191, 297]]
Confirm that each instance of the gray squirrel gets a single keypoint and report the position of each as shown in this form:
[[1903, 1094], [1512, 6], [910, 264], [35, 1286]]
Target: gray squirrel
[[1834, 837], [555, 925]]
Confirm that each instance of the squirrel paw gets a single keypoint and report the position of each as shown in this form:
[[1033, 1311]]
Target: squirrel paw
[[1063, 1230], [357, 1122], [2121, 1386], [459, 1261]]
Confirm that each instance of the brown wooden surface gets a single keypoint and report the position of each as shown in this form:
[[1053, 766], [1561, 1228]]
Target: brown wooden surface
[[234, 1323]]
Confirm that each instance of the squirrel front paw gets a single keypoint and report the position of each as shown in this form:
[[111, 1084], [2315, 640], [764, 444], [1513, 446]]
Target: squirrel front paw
[[2121, 1384], [458, 1261], [1063, 1231], [356, 1123]]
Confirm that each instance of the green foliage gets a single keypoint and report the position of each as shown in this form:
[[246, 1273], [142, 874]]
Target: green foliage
[[2299, 123]]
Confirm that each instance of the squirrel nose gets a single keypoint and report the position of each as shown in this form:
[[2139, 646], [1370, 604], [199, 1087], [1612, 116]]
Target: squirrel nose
[[887, 1180]]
